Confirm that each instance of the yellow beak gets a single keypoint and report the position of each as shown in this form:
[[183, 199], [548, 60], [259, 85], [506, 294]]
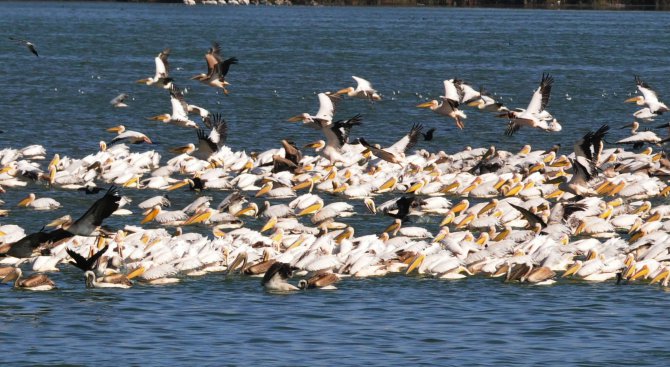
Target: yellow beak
[[149, 217]]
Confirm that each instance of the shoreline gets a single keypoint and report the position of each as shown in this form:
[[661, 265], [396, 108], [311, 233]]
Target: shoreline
[[643, 5]]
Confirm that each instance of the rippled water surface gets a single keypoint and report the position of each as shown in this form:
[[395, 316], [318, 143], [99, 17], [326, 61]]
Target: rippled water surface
[[92, 52]]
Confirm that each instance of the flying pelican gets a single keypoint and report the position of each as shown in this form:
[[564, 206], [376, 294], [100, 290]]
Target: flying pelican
[[448, 106], [132, 137], [162, 69], [337, 135], [179, 114], [217, 68], [648, 98], [28, 44], [324, 116], [118, 101], [535, 115], [363, 90]]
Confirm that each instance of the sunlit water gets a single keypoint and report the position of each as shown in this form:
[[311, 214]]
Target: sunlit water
[[92, 52]]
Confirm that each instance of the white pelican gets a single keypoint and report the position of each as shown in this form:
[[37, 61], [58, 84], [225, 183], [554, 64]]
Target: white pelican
[[446, 107], [648, 98], [163, 217], [109, 281], [535, 115], [162, 70], [323, 117], [337, 135], [35, 282], [363, 90], [639, 138], [486, 103], [132, 137], [179, 114], [118, 101], [321, 281], [39, 204]]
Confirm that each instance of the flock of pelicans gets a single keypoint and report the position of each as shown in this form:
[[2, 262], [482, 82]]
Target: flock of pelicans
[[529, 216]]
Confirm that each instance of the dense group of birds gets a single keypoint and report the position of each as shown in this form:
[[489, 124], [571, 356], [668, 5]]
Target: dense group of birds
[[531, 216]]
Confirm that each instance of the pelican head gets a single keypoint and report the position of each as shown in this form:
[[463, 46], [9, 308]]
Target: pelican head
[[430, 104], [304, 117], [163, 117], [184, 149], [639, 100], [117, 129], [316, 145], [348, 91], [151, 214], [25, 202]]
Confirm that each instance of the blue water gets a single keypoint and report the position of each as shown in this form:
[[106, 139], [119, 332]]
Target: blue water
[[92, 52]]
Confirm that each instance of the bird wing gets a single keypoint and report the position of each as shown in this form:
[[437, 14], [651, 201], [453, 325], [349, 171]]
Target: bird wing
[[326, 107], [363, 85], [223, 66], [408, 141], [379, 153], [342, 128], [649, 94], [83, 263], [219, 132], [529, 216], [101, 209], [451, 91], [206, 146], [540, 98], [162, 65], [581, 174], [179, 105]]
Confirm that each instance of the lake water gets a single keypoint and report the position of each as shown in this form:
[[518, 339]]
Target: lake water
[[91, 52]]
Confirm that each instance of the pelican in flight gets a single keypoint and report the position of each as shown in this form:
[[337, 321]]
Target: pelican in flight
[[179, 114], [337, 135], [648, 98], [448, 106], [217, 68], [325, 114], [28, 44], [363, 90], [130, 136], [118, 101], [639, 138], [535, 115], [162, 69]]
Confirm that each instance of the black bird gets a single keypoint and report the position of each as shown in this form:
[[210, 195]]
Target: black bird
[[28, 44], [83, 263], [428, 135], [276, 277], [86, 225], [404, 204]]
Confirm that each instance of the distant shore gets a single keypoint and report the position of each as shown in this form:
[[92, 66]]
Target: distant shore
[[518, 4]]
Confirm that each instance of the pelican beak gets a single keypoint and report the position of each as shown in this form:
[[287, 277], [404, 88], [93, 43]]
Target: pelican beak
[[199, 218], [665, 192], [447, 219], [346, 234], [25, 202], [572, 270], [158, 118], [632, 99], [313, 145], [502, 235], [135, 273], [343, 91], [425, 104], [474, 103], [460, 207], [580, 228], [297, 242], [180, 150], [302, 185], [143, 81], [662, 275], [269, 224], [264, 190], [392, 228], [414, 187], [277, 236], [483, 238], [133, 181], [52, 174], [615, 203], [469, 218], [604, 188], [615, 190], [656, 216], [244, 211], [537, 167], [440, 236], [114, 129], [178, 185], [514, 190], [642, 273], [471, 187], [218, 233], [418, 260], [370, 204], [311, 209], [149, 217], [606, 213], [296, 118], [451, 186], [635, 227], [390, 184], [487, 207], [554, 194], [54, 161], [636, 236], [340, 189]]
